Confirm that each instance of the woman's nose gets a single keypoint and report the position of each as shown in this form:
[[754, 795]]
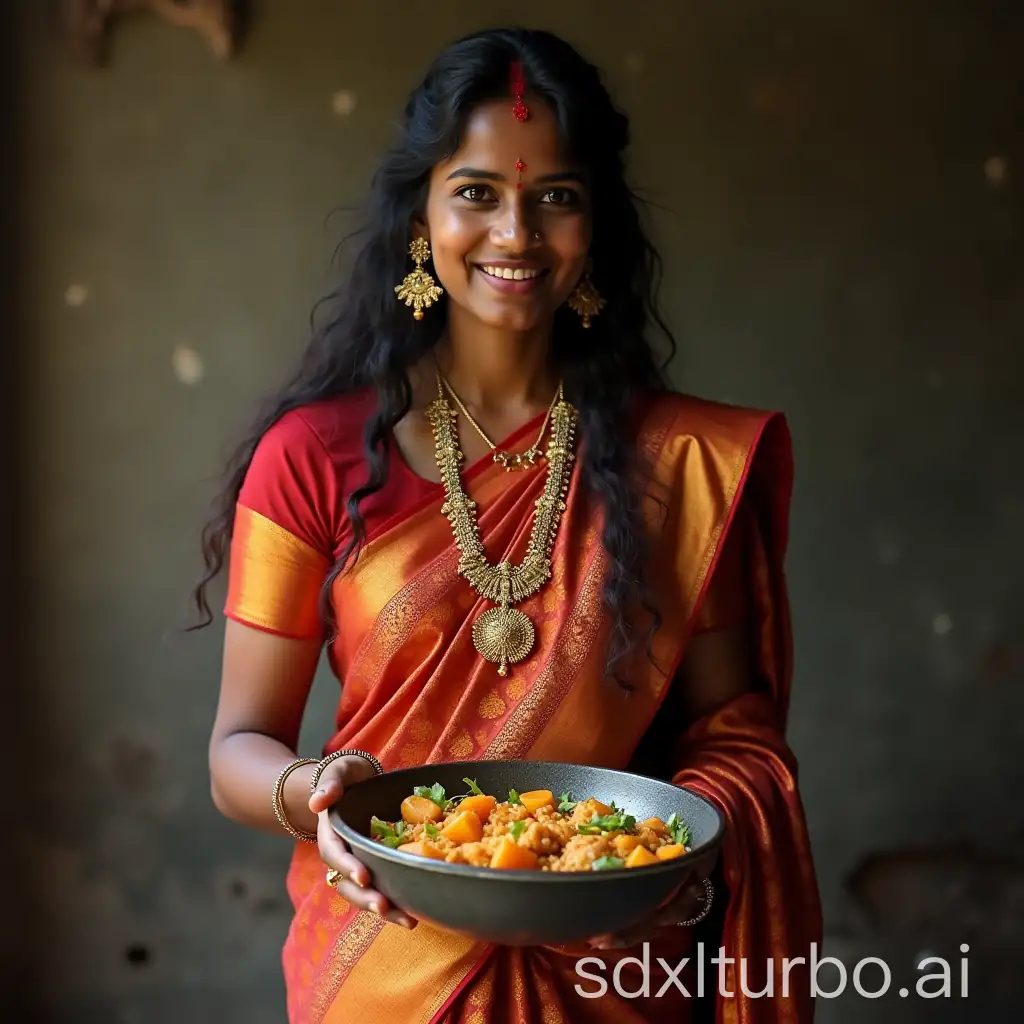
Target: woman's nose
[[515, 229]]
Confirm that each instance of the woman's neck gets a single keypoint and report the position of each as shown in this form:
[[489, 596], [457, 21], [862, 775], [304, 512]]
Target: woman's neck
[[498, 371]]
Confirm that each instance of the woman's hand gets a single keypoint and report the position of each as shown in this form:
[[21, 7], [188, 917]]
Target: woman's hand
[[685, 903], [354, 885]]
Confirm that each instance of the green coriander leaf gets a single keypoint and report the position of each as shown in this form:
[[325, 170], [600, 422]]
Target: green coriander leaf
[[391, 835], [566, 804], [517, 828], [381, 828], [678, 830], [474, 789], [607, 863], [434, 793], [399, 837], [617, 822], [513, 797], [431, 829]]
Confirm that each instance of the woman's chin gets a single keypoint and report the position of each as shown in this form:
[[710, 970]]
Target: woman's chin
[[527, 317]]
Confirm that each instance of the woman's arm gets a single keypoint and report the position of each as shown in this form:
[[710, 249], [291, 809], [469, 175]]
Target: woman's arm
[[716, 669], [265, 683]]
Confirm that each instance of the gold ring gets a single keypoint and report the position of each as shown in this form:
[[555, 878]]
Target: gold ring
[[333, 877]]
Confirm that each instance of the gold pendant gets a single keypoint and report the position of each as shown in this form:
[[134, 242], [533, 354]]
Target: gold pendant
[[510, 461], [503, 635]]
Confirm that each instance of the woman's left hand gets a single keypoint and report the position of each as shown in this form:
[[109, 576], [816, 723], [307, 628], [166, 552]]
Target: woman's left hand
[[687, 902]]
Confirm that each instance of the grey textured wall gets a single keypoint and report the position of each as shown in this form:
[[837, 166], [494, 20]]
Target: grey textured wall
[[840, 193]]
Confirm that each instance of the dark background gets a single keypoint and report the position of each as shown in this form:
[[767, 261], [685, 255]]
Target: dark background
[[839, 205]]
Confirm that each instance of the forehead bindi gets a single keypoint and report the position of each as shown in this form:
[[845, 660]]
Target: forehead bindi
[[494, 140]]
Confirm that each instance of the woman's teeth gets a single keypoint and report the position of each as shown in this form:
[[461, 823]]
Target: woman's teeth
[[509, 274]]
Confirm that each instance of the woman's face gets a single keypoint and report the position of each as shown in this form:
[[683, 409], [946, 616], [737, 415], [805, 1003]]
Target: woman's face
[[508, 218]]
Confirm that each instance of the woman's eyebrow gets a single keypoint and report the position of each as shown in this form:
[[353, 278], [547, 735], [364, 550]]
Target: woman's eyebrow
[[576, 176], [473, 172]]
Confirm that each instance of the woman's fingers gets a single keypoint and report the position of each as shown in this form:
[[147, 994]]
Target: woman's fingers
[[354, 885], [343, 772], [690, 900], [371, 900], [374, 902], [687, 902], [328, 792], [363, 899], [671, 899], [335, 854], [355, 881], [396, 916], [630, 937]]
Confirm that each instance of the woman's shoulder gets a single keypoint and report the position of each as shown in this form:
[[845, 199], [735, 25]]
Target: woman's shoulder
[[702, 417], [301, 467], [676, 428], [335, 425], [673, 414]]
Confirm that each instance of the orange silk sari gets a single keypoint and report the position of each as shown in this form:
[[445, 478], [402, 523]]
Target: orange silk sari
[[415, 691]]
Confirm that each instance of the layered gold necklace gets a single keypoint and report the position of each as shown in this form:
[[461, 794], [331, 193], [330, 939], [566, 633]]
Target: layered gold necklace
[[503, 635], [509, 461]]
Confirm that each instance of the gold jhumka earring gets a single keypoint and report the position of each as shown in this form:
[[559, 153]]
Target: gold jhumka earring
[[419, 289], [585, 299]]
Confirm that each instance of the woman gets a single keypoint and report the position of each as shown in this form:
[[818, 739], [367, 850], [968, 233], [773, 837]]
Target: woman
[[509, 364]]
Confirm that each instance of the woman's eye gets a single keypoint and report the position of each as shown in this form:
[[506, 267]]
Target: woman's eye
[[561, 197], [474, 193]]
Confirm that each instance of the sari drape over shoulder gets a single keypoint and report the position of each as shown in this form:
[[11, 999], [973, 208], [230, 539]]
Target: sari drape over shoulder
[[414, 691]]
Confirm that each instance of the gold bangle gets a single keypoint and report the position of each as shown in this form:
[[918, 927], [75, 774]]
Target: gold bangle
[[348, 752], [296, 833]]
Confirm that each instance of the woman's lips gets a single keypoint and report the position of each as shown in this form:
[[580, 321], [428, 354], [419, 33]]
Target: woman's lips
[[510, 286]]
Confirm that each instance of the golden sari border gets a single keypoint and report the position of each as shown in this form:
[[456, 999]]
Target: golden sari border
[[358, 937], [458, 989], [554, 681], [740, 474], [274, 578], [419, 979], [571, 654]]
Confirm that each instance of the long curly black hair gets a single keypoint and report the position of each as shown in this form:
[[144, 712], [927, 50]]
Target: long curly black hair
[[370, 340]]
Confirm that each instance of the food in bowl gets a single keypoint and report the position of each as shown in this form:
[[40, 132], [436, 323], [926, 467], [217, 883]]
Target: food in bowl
[[533, 831]]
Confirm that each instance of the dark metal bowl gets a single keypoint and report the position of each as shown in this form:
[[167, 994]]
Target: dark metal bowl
[[522, 908]]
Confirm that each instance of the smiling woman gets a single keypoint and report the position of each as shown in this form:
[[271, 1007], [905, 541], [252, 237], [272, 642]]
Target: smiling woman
[[496, 234], [516, 542]]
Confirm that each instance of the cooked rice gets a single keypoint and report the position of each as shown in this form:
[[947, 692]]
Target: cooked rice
[[550, 834]]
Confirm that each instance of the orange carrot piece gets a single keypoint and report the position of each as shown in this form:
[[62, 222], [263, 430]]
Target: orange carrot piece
[[625, 844], [669, 852], [536, 799], [418, 809], [481, 806], [513, 857], [640, 857], [465, 827], [656, 825], [603, 810], [423, 849]]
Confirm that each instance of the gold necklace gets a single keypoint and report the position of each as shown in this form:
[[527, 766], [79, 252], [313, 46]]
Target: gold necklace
[[509, 461], [503, 635]]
